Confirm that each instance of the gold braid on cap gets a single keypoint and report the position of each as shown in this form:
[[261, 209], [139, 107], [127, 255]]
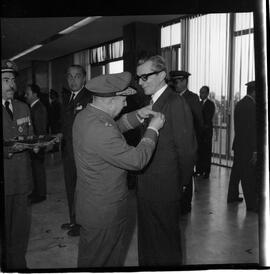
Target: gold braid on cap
[[126, 92]]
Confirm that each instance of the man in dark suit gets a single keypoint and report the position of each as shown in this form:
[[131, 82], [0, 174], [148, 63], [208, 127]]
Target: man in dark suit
[[205, 142], [161, 183], [17, 173], [39, 120], [179, 81], [73, 103], [245, 151]]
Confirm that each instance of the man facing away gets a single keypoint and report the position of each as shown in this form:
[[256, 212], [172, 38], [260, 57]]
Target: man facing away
[[161, 182], [39, 120], [102, 158], [245, 151], [73, 103]]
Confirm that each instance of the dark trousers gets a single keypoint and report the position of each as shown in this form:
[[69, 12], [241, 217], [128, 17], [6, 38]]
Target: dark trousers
[[70, 176], [159, 239], [102, 247], [246, 172], [17, 226], [205, 153], [187, 196], [39, 174], [233, 191]]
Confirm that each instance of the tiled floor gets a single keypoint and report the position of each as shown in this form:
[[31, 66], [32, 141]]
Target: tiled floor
[[214, 232]]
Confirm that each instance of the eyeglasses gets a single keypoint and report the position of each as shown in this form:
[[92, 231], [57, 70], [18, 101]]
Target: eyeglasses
[[144, 77]]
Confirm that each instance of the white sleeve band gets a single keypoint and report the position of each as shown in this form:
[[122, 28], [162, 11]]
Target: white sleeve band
[[154, 130]]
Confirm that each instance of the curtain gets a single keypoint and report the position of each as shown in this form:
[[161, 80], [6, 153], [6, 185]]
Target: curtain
[[208, 45]]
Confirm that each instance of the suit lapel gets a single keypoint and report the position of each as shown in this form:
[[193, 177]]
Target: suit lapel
[[79, 96], [162, 100]]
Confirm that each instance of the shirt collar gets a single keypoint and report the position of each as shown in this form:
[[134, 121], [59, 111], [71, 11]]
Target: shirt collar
[[181, 93], [10, 103], [76, 92], [3, 101], [34, 103], [250, 97], [157, 94]]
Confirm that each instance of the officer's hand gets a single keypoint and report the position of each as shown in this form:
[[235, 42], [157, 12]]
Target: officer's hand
[[17, 147], [157, 120], [144, 112], [59, 137], [49, 147], [36, 149]]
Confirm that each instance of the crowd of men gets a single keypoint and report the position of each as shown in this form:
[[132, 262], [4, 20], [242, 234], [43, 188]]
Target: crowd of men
[[175, 146]]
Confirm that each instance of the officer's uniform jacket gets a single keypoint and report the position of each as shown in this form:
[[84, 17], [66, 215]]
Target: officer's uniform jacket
[[194, 103], [245, 140], [17, 168], [102, 158]]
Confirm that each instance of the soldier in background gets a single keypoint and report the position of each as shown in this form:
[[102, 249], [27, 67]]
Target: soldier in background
[[245, 151], [179, 82]]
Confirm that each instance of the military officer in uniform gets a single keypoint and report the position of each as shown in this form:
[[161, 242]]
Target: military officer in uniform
[[102, 158], [73, 103], [17, 172], [179, 81]]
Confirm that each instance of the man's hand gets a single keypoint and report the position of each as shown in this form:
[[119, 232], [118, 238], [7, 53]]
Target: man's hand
[[36, 149], [253, 159], [17, 147], [144, 112], [157, 121], [59, 137]]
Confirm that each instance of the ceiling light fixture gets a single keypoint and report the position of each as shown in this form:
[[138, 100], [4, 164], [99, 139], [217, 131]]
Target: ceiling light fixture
[[26, 52], [76, 26], [80, 24]]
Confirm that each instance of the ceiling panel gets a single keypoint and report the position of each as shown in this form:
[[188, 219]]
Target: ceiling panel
[[19, 34]]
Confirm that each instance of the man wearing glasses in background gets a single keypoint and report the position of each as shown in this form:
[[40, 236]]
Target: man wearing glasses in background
[[161, 183]]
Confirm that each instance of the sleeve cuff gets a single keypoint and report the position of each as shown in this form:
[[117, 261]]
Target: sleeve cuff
[[154, 129], [141, 120]]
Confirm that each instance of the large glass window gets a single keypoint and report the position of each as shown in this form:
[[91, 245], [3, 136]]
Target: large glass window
[[116, 67], [171, 45], [243, 61], [107, 58], [218, 51]]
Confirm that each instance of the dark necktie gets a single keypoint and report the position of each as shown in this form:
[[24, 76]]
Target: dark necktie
[[72, 98], [8, 109]]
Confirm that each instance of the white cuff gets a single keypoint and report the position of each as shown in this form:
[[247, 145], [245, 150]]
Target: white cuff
[[154, 129]]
